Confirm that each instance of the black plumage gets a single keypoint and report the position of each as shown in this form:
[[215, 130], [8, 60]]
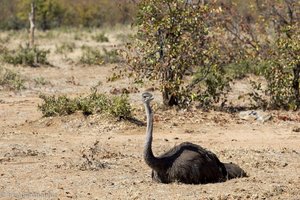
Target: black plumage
[[186, 163]]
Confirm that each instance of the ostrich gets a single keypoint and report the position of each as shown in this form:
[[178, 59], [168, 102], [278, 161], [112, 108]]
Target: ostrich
[[186, 163]]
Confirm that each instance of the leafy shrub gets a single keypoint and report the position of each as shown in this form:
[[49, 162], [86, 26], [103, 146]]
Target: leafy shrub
[[258, 96], [94, 103], [118, 107], [5, 39], [125, 38], [95, 57], [54, 106], [111, 56], [212, 88], [40, 81], [174, 40], [268, 32], [91, 57], [240, 69], [58, 13], [283, 76], [11, 80], [100, 37], [78, 36], [65, 47], [281, 71], [26, 56], [3, 49]]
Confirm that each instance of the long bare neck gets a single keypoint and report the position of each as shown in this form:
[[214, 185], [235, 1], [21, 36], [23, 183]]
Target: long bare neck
[[150, 159]]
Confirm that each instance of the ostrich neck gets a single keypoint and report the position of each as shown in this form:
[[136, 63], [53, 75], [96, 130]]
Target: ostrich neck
[[150, 159]]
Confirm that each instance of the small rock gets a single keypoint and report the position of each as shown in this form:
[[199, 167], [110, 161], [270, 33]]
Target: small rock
[[284, 164], [255, 115], [188, 131], [296, 129]]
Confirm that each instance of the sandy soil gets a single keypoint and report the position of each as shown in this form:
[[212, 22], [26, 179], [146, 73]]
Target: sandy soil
[[95, 157]]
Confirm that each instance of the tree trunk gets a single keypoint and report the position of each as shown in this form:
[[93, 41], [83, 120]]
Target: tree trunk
[[296, 84], [169, 98], [44, 22], [32, 25]]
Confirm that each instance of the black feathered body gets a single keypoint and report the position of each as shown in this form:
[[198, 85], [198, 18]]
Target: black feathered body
[[234, 171], [186, 163], [189, 163]]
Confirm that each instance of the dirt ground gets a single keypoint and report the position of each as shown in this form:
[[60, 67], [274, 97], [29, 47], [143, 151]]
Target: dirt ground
[[95, 157]]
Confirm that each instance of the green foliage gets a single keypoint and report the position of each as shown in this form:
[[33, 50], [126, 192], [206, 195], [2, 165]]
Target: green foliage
[[111, 56], [39, 81], [174, 40], [57, 13], [8, 18], [118, 106], [65, 47], [26, 56], [11, 80], [95, 57], [61, 105], [258, 96], [240, 69], [94, 103], [77, 36], [268, 34], [48, 12], [125, 38], [3, 49], [284, 74], [91, 57], [100, 37], [213, 87]]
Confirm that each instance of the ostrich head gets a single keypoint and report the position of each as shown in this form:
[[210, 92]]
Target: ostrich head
[[147, 97]]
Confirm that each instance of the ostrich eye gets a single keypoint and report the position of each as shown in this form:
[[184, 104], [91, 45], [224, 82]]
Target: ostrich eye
[[146, 96]]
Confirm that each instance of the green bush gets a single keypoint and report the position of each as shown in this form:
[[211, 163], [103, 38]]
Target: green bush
[[111, 56], [57, 13], [94, 103], [65, 47], [118, 107], [266, 33], [240, 69], [95, 57], [54, 106], [11, 80], [100, 37], [26, 56], [40, 81], [125, 38], [3, 49], [174, 40], [91, 57]]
